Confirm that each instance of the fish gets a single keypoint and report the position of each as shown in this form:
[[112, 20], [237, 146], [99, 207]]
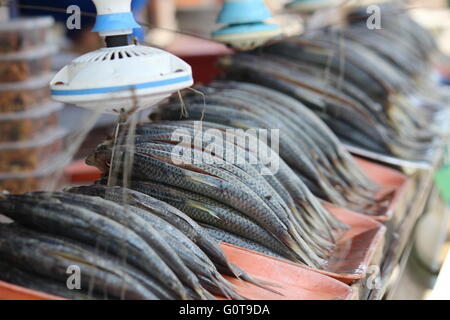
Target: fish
[[269, 199], [52, 216], [284, 170], [333, 168], [287, 81], [52, 258], [203, 209], [135, 223], [180, 228], [223, 191], [272, 180], [11, 274]]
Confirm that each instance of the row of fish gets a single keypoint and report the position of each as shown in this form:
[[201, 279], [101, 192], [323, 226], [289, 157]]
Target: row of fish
[[125, 244], [306, 144], [369, 86], [241, 199]]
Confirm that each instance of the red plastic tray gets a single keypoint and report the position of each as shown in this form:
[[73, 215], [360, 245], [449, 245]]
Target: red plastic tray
[[354, 252], [390, 181], [294, 281], [356, 247]]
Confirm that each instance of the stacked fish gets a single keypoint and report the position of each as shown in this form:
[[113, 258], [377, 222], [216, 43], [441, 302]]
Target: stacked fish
[[306, 145], [370, 87], [240, 199], [144, 250]]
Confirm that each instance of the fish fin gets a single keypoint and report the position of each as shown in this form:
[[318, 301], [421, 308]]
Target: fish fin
[[199, 206], [238, 124], [198, 179]]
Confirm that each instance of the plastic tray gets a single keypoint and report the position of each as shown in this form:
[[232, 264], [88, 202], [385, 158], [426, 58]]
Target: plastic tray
[[295, 282], [21, 96], [356, 247], [24, 65], [26, 125], [391, 182], [24, 33], [49, 177], [12, 292], [354, 252], [32, 154], [78, 172]]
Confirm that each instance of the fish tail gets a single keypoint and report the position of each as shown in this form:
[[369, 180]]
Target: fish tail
[[217, 254], [201, 292], [263, 284]]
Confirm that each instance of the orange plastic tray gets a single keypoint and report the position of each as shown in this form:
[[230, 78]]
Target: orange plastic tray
[[79, 172], [356, 247], [12, 292], [390, 181], [352, 256], [294, 281]]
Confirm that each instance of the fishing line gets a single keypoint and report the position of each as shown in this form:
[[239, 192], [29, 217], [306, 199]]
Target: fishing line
[[204, 101], [183, 111], [342, 58], [177, 31]]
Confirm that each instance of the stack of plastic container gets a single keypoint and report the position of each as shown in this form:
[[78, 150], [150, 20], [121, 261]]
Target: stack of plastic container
[[30, 136]]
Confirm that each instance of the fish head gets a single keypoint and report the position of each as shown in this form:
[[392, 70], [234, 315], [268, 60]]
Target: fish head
[[100, 158]]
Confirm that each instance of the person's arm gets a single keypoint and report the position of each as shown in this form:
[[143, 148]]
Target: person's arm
[[162, 15]]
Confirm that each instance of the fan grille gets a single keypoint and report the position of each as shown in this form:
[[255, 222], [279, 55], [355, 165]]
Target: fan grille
[[110, 54]]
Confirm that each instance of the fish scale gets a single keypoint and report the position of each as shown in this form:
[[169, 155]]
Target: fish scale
[[241, 162], [263, 207], [348, 111], [228, 172], [264, 110], [309, 120], [191, 231], [309, 234], [150, 283], [297, 159]]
